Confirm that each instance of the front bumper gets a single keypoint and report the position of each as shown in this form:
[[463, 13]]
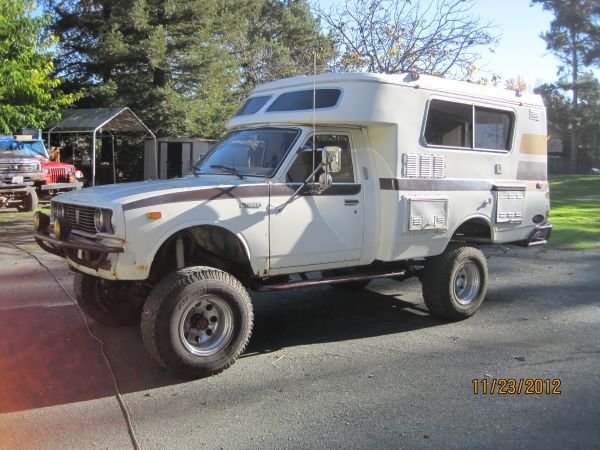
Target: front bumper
[[81, 250], [62, 186]]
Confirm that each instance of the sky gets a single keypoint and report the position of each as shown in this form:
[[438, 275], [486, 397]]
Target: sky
[[520, 51]]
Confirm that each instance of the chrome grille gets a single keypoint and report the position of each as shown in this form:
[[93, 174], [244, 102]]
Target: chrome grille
[[18, 167], [80, 217]]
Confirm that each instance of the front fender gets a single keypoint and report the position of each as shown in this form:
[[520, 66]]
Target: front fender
[[141, 249]]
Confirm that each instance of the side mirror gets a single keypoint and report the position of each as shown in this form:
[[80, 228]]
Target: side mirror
[[332, 159]]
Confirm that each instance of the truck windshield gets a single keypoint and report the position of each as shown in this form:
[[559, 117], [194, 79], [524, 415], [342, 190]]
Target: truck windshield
[[256, 152], [23, 148]]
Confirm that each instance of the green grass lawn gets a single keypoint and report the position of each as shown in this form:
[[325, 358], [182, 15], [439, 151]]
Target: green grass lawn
[[575, 212]]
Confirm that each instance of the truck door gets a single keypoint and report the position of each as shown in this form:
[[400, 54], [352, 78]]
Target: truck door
[[316, 229]]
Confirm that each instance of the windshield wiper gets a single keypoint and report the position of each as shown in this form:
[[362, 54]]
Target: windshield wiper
[[233, 170]]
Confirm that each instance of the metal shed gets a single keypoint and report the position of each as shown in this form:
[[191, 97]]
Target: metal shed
[[100, 120], [172, 157]]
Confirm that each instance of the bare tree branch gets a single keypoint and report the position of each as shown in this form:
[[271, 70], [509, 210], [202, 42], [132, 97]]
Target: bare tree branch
[[391, 36]]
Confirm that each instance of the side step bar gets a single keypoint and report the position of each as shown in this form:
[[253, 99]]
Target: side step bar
[[331, 280]]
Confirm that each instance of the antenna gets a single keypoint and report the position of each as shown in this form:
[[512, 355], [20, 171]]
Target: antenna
[[314, 139]]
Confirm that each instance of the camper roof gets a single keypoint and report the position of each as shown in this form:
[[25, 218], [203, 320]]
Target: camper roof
[[406, 79], [362, 98]]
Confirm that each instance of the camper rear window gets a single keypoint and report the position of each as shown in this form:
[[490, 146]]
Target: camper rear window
[[252, 105], [450, 124], [302, 100]]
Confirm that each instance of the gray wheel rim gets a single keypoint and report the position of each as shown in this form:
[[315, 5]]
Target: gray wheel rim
[[467, 283], [206, 325]]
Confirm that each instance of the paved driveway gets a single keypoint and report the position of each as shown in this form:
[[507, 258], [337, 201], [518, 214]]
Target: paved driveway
[[324, 368]]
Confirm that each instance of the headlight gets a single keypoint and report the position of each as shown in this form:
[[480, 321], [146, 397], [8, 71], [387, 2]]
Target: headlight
[[58, 210], [103, 221], [41, 222], [62, 230]]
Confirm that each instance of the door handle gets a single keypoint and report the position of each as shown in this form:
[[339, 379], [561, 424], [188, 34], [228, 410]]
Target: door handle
[[350, 202]]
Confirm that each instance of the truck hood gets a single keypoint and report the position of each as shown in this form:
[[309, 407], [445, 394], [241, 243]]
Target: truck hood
[[119, 194], [8, 156]]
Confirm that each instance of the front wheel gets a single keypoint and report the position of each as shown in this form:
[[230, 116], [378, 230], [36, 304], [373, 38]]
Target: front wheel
[[197, 321], [29, 201], [111, 303], [455, 282]]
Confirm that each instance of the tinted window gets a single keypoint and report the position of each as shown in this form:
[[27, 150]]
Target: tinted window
[[302, 100], [450, 124], [252, 105], [302, 166], [492, 129]]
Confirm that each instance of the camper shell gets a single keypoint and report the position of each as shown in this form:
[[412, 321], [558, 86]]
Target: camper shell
[[332, 179]]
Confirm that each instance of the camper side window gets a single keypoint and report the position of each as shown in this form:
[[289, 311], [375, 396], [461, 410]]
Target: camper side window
[[492, 129], [450, 124]]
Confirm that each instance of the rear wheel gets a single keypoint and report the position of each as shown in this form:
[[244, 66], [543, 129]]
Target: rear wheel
[[197, 321], [111, 303], [455, 282]]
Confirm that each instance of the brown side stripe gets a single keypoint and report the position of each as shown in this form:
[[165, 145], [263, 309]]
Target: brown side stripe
[[238, 193], [283, 190], [225, 193], [396, 184], [534, 144], [527, 170]]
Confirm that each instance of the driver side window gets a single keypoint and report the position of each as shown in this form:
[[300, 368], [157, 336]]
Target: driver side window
[[303, 164]]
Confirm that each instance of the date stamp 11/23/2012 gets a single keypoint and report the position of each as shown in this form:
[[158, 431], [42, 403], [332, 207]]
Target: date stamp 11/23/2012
[[516, 386]]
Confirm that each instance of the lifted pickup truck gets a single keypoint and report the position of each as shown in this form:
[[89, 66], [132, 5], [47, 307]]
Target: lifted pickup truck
[[19, 170], [335, 179]]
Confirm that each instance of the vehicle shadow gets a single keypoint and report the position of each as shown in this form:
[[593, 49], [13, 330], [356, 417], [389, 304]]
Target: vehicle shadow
[[328, 314], [47, 357]]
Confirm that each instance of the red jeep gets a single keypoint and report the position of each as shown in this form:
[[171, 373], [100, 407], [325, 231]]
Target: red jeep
[[59, 177]]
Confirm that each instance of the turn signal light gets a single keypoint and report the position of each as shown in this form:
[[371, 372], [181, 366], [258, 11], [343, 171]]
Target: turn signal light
[[154, 215]]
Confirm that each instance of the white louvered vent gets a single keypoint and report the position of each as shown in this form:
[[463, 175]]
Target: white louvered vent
[[426, 169], [439, 222], [411, 165], [416, 223], [439, 166], [423, 166]]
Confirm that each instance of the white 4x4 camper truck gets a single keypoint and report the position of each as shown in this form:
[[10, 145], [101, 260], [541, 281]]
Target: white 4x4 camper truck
[[334, 179]]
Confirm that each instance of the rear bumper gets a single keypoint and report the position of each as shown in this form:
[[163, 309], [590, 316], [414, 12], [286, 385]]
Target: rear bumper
[[539, 236]]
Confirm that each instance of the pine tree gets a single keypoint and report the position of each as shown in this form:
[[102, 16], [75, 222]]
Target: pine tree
[[183, 66], [572, 40]]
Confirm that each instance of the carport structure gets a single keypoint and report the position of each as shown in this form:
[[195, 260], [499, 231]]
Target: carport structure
[[101, 121]]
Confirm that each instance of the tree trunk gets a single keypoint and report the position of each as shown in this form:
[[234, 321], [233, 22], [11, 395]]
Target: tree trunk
[[574, 130]]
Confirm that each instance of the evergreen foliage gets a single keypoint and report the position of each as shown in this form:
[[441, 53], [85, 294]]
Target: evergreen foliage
[[573, 39], [183, 66]]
